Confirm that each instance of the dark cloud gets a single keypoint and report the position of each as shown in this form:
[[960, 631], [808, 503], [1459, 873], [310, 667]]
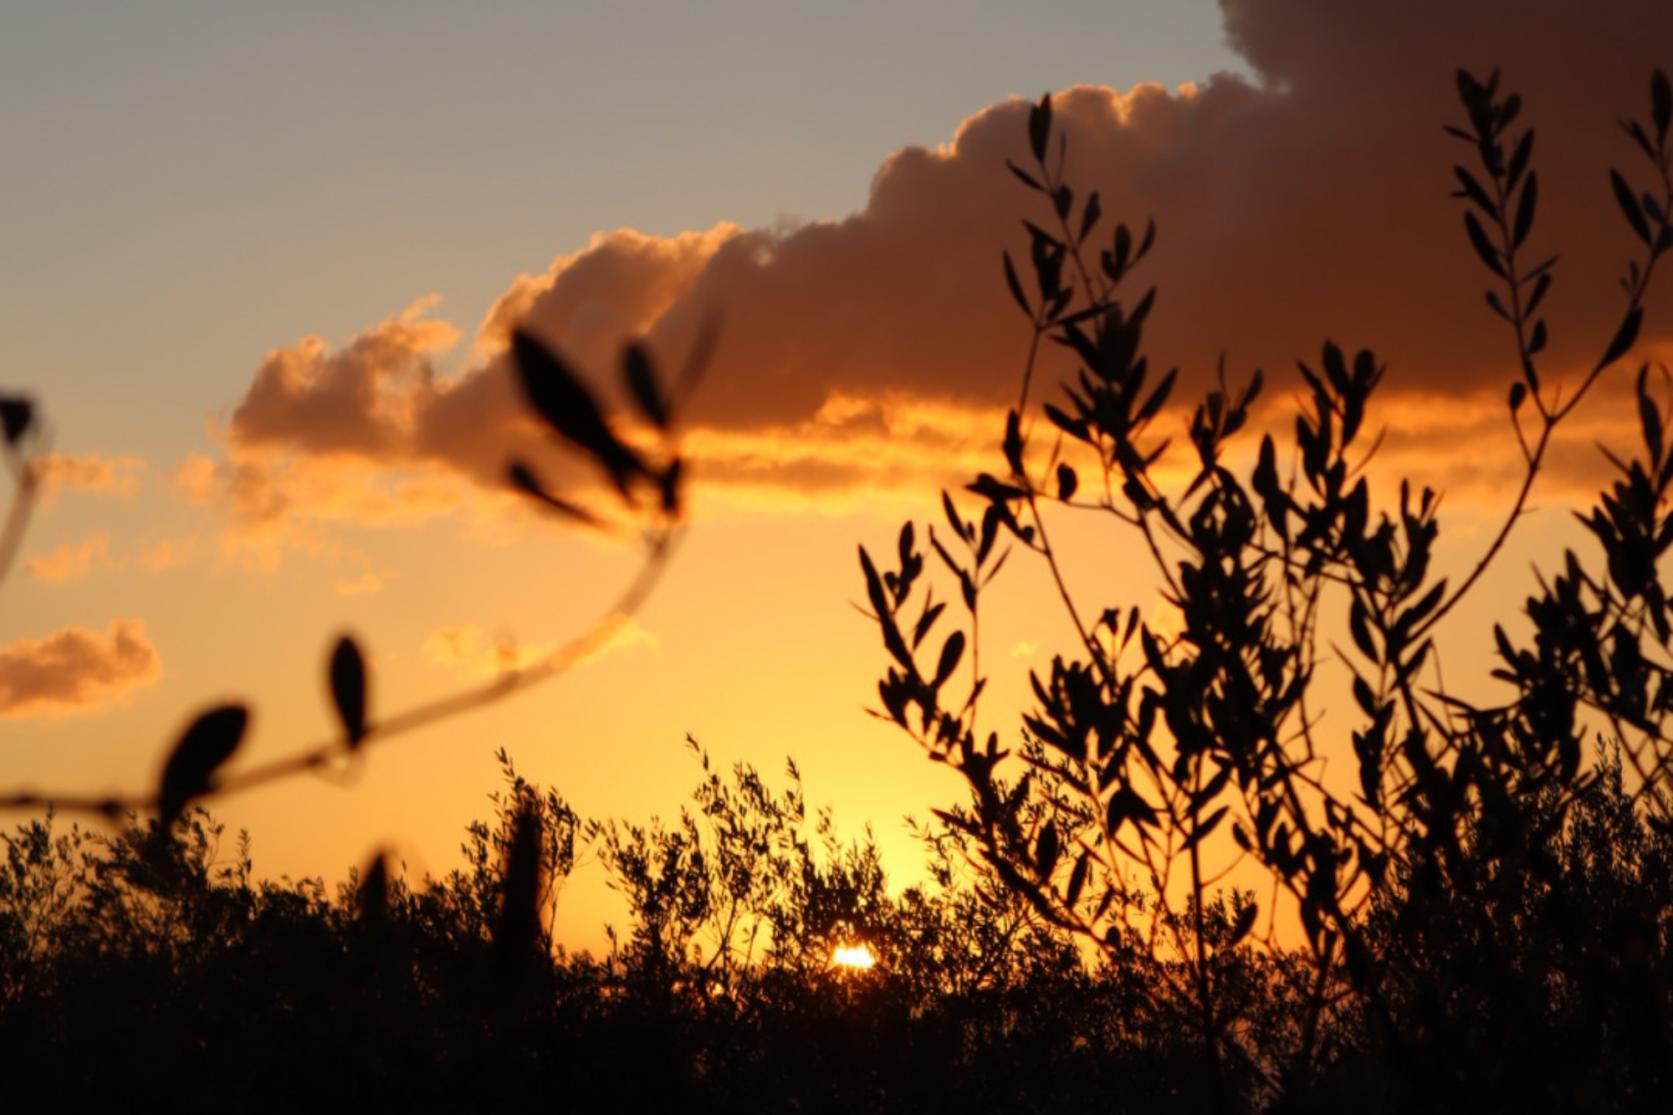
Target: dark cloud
[[1310, 203]]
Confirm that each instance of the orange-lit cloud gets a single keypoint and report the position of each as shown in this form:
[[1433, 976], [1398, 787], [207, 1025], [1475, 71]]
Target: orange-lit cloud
[[76, 669], [87, 472], [367, 582], [71, 562], [280, 502], [621, 284], [364, 399], [1310, 203], [469, 648], [166, 553]]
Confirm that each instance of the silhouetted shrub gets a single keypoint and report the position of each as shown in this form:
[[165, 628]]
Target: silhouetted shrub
[[136, 974], [1453, 906]]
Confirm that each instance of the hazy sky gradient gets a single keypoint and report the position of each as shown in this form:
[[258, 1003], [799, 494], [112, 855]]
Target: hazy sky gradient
[[191, 185], [192, 188]]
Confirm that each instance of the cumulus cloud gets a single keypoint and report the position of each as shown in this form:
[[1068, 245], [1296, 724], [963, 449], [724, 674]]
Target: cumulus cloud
[[1310, 202], [76, 669], [71, 562], [364, 399], [87, 472]]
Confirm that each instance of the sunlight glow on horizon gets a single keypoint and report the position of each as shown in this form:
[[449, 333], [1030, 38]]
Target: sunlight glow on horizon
[[857, 958]]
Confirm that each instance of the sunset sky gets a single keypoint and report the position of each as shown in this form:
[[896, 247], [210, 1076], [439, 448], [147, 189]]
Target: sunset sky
[[260, 267]]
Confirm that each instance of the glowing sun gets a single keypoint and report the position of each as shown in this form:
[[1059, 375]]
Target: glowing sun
[[855, 957]]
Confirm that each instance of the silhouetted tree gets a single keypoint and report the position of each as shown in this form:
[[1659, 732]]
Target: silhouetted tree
[[1145, 751]]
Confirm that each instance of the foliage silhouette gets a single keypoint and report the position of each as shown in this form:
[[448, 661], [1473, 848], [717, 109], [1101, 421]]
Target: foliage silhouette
[[389, 990], [1153, 765], [133, 971]]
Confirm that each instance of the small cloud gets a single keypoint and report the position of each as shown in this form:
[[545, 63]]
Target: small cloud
[[76, 669], [279, 505], [71, 562], [166, 553], [195, 479], [369, 581], [87, 472], [468, 648]]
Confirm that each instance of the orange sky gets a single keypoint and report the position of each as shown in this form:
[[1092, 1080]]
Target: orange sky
[[352, 481]]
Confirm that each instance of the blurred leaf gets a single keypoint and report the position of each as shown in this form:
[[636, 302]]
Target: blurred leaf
[[1629, 205], [1012, 446], [1482, 245], [1525, 211], [1204, 829], [17, 414], [1661, 103], [1089, 218], [1149, 239], [558, 396], [1519, 159], [1541, 285], [347, 677], [1062, 201], [1039, 127], [642, 385], [951, 651], [1077, 880], [207, 742], [1649, 418], [1624, 336], [1470, 188], [1027, 178], [954, 520], [926, 621], [523, 478], [1046, 850], [1067, 482], [1359, 626], [671, 483], [1015, 284]]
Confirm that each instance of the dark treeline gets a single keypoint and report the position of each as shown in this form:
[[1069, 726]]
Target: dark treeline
[[139, 969]]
